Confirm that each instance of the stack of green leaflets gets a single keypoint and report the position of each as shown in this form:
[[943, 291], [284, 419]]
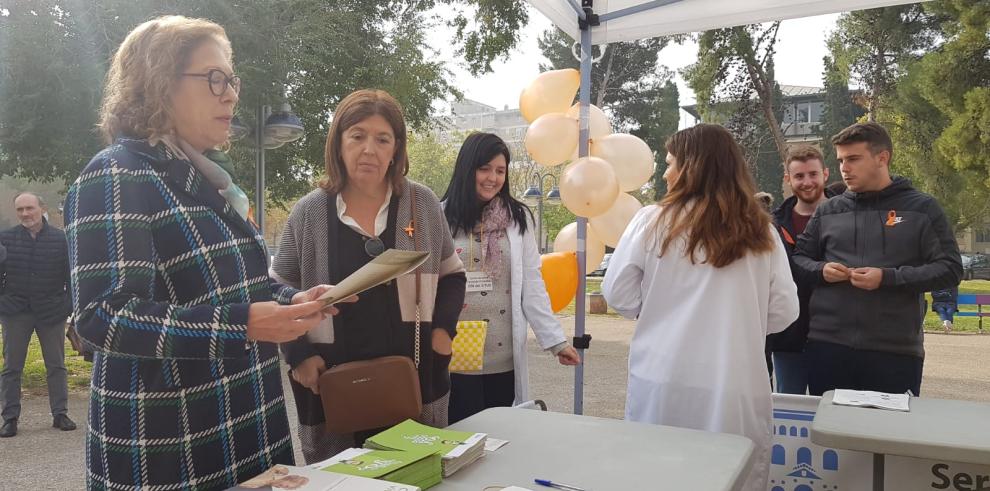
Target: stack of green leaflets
[[458, 448], [414, 467]]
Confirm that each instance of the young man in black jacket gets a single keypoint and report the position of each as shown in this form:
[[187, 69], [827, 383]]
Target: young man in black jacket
[[806, 174], [872, 253]]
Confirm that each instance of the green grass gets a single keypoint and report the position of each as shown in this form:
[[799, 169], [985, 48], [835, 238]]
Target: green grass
[[33, 377]]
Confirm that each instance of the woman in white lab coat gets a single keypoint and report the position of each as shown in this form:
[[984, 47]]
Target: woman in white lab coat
[[494, 237], [708, 280]]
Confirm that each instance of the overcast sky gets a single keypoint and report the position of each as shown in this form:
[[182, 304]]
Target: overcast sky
[[800, 48]]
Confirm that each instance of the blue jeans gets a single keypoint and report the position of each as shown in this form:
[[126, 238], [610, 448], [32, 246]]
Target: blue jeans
[[791, 370], [945, 312]]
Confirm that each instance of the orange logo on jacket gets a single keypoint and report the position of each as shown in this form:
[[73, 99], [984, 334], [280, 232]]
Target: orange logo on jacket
[[893, 219]]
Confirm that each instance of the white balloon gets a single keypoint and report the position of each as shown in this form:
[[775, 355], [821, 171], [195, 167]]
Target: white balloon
[[594, 248], [630, 156], [598, 125], [588, 187], [549, 92], [551, 139], [610, 225]]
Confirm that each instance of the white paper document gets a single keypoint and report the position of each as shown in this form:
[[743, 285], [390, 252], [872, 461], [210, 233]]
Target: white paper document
[[867, 398], [493, 444], [386, 267]]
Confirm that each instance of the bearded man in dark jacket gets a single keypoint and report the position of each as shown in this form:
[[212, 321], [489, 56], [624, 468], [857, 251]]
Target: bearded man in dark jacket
[[806, 174], [872, 253]]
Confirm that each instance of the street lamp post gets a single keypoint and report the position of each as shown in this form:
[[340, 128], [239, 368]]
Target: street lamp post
[[534, 195], [277, 129], [259, 167]]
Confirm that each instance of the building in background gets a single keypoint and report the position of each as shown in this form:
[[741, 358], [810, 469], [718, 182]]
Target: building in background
[[803, 111], [974, 240], [468, 115]]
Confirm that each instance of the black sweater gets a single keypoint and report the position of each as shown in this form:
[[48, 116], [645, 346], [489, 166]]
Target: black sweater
[[794, 337]]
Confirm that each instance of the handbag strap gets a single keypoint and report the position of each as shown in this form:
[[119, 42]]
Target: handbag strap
[[415, 237]]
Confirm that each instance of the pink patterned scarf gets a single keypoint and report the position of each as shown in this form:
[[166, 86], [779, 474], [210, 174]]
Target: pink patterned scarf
[[494, 219]]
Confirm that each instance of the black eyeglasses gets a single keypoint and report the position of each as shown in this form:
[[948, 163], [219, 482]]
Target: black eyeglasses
[[219, 81]]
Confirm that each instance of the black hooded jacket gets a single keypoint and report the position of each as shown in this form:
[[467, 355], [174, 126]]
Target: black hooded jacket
[[899, 230], [794, 337]]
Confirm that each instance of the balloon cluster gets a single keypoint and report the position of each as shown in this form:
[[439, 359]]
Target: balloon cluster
[[594, 187]]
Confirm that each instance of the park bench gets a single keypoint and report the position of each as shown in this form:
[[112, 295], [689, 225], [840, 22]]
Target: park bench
[[979, 301]]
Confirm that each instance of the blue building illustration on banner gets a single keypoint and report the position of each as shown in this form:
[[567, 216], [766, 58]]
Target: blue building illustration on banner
[[795, 463]]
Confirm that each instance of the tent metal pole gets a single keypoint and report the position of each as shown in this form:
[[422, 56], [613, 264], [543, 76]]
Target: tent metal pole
[[577, 9], [635, 9], [582, 222]]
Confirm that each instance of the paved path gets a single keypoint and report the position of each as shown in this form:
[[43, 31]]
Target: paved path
[[43, 458]]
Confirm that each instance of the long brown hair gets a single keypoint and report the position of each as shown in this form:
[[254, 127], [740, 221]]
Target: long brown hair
[[356, 107], [711, 202]]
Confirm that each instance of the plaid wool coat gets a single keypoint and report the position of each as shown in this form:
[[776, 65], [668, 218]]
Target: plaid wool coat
[[163, 272]]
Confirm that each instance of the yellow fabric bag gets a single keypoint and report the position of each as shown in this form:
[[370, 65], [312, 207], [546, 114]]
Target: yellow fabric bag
[[469, 346]]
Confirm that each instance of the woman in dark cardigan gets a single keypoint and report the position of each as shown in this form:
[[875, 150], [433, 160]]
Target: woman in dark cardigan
[[363, 207]]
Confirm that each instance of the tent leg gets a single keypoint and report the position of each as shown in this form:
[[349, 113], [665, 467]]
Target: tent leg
[[582, 222]]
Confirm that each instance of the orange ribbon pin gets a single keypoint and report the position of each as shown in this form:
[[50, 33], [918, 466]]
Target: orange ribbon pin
[[891, 218]]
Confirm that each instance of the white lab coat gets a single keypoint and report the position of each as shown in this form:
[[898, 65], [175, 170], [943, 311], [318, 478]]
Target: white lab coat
[[696, 359], [530, 304]]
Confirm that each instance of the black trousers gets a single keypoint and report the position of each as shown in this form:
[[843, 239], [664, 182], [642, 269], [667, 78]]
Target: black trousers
[[471, 394], [834, 366]]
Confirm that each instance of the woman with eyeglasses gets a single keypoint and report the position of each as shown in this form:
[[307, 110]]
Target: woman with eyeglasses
[[170, 279], [493, 234], [364, 206]]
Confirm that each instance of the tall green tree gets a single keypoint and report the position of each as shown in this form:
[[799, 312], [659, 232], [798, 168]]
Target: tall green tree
[[310, 53], [873, 48], [941, 115], [431, 161], [659, 110], [734, 65], [840, 111]]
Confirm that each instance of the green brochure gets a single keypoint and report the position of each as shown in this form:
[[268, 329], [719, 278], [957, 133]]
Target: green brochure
[[410, 435]]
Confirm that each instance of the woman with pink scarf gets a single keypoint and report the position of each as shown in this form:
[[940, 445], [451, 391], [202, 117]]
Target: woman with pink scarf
[[493, 235]]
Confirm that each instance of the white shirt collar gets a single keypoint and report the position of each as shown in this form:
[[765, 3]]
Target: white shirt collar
[[381, 220]]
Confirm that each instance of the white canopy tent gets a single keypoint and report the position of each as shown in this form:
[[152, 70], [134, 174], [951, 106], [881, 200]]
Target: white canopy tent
[[628, 20], [591, 22]]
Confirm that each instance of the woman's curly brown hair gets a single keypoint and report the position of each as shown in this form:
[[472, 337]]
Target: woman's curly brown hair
[[144, 71]]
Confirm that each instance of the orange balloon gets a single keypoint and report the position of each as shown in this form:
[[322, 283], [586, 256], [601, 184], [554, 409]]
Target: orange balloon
[[560, 274]]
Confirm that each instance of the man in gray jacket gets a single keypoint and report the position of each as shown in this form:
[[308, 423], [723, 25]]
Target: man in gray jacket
[[873, 252]]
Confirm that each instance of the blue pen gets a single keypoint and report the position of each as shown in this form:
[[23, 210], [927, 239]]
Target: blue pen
[[550, 484]]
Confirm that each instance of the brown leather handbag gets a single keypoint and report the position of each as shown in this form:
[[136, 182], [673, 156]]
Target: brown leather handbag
[[368, 394]]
